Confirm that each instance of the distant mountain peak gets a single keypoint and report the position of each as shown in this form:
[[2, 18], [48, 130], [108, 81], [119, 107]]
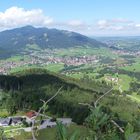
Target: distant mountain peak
[[18, 38], [28, 27]]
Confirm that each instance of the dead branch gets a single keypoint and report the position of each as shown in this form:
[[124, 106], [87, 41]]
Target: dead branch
[[96, 102], [86, 104], [39, 111], [121, 130]]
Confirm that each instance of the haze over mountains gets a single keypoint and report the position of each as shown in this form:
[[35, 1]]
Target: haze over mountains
[[18, 39]]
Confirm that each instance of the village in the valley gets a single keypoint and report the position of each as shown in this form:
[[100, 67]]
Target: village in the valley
[[44, 58]]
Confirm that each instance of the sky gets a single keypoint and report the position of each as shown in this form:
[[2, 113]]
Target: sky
[[89, 17]]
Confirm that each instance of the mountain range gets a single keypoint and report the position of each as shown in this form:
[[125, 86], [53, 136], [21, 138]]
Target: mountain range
[[19, 38]]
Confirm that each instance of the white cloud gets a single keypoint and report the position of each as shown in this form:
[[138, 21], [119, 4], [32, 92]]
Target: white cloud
[[103, 24], [121, 20], [109, 25], [137, 25], [75, 23], [16, 17]]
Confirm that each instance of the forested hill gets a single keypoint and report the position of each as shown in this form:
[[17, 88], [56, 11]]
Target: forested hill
[[29, 86], [40, 77], [25, 90], [20, 38]]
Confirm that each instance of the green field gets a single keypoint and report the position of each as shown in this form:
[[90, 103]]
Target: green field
[[81, 51], [54, 67], [125, 81], [134, 67], [17, 58], [17, 69], [135, 97], [90, 70], [32, 47], [51, 133]]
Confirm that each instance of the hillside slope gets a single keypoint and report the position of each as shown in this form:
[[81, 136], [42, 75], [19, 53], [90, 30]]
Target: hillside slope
[[17, 39], [27, 88]]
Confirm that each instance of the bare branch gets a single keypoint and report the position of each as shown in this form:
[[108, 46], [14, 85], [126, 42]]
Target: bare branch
[[86, 104], [42, 100], [121, 130], [41, 108], [96, 102]]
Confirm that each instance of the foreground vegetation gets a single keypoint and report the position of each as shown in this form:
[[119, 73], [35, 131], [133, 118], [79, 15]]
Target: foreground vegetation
[[25, 90]]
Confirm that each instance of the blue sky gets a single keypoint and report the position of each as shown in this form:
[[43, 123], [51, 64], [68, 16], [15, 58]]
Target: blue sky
[[91, 17]]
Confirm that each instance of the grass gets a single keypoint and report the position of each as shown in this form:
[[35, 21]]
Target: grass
[[80, 51], [32, 47], [50, 67], [11, 127], [51, 133], [17, 69], [11, 131], [54, 67], [78, 75], [17, 58], [135, 97], [125, 81], [3, 113], [134, 67], [20, 113]]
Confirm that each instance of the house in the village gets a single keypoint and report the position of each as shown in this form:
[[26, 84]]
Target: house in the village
[[11, 121], [65, 121], [16, 120], [5, 121], [31, 114], [50, 123]]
